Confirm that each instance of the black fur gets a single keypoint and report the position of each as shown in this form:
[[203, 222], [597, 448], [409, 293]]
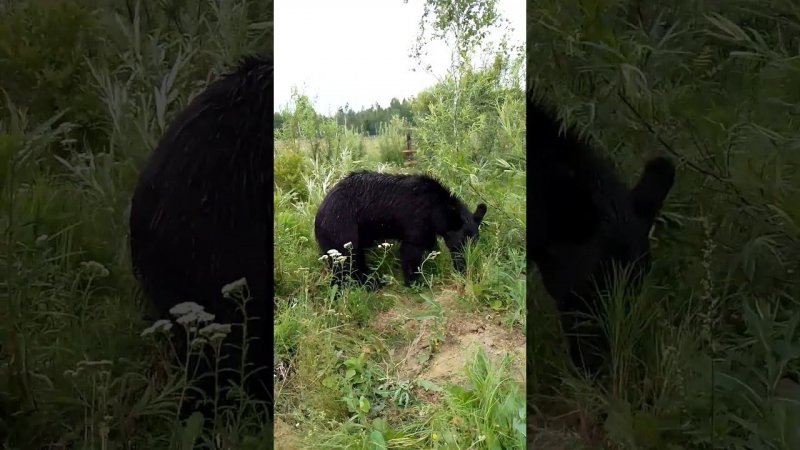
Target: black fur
[[201, 211], [366, 208], [583, 218]]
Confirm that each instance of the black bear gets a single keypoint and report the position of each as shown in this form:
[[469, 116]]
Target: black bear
[[365, 208], [583, 219], [200, 214]]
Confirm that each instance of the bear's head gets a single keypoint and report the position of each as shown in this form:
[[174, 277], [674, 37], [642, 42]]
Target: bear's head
[[464, 228], [617, 235]]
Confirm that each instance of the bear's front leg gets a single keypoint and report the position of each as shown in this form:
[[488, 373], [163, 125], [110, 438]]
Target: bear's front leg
[[410, 260], [361, 271]]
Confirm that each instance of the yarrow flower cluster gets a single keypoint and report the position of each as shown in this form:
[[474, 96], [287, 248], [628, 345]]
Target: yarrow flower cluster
[[193, 317], [189, 313], [94, 269], [185, 308], [335, 255], [160, 326], [385, 245], [234, 287], [215, 331]]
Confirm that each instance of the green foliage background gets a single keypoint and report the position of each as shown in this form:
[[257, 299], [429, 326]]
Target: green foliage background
[[713, 357], [86, 90], [340, 379]]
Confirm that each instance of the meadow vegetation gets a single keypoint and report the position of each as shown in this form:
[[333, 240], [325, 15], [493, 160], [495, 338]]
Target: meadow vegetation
[[86, 90], [706, 356], [435, 366]]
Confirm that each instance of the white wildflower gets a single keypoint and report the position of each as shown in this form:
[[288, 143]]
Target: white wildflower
[[334, 253], [216, 330], [323, 258], [94, 269], [159, 326], [348, 245], [216, 337], [181, 309], [231, 288], [198, 342], [195, 316]]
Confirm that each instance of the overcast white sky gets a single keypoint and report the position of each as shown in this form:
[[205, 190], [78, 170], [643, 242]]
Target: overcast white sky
[[356, 51]]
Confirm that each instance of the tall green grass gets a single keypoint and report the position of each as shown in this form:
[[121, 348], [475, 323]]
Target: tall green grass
[[706, 356], [88, 88], [339, 383]]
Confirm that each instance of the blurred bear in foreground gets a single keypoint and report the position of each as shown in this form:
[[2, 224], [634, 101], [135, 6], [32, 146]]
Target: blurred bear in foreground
[[584, 220], [201, 213]]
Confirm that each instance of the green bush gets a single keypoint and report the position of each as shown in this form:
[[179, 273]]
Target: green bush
[[709, 355], [290, 166], [392, 140], [43, 60], [95, 82]]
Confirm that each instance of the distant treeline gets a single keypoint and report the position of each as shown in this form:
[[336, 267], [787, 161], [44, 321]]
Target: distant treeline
[[366, 121]]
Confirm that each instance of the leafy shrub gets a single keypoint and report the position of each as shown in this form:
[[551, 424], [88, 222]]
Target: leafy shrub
[[392, 140], [43, 59], [290, 166]]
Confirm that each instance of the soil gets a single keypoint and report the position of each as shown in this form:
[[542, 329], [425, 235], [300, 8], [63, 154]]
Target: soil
[[434, 349], [284, 436], [463, 333]]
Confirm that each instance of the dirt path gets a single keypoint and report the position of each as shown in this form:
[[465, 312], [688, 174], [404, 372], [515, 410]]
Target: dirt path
[[440, 348], [284, 436], [434, 344]]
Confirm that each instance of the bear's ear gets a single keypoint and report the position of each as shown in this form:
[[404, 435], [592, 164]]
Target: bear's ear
[[480, 211], [655, 183]]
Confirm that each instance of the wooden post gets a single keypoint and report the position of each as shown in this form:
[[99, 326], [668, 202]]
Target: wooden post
[[409, 152]]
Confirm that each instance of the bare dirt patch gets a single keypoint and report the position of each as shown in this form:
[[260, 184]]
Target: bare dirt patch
[[284, 436], [439, 348]]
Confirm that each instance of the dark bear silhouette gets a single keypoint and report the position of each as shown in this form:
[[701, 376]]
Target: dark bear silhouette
[[583, 219], [201, 211], [365, 208]]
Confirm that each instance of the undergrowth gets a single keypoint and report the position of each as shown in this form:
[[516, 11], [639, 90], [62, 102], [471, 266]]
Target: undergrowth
[[707, 355], [86, 90]]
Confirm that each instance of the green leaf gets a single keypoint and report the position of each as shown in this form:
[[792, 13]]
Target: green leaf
[[428, 385], [423, 357], [191, 431], [376, 441], [363, 404], [330, 381], [380, 425]]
